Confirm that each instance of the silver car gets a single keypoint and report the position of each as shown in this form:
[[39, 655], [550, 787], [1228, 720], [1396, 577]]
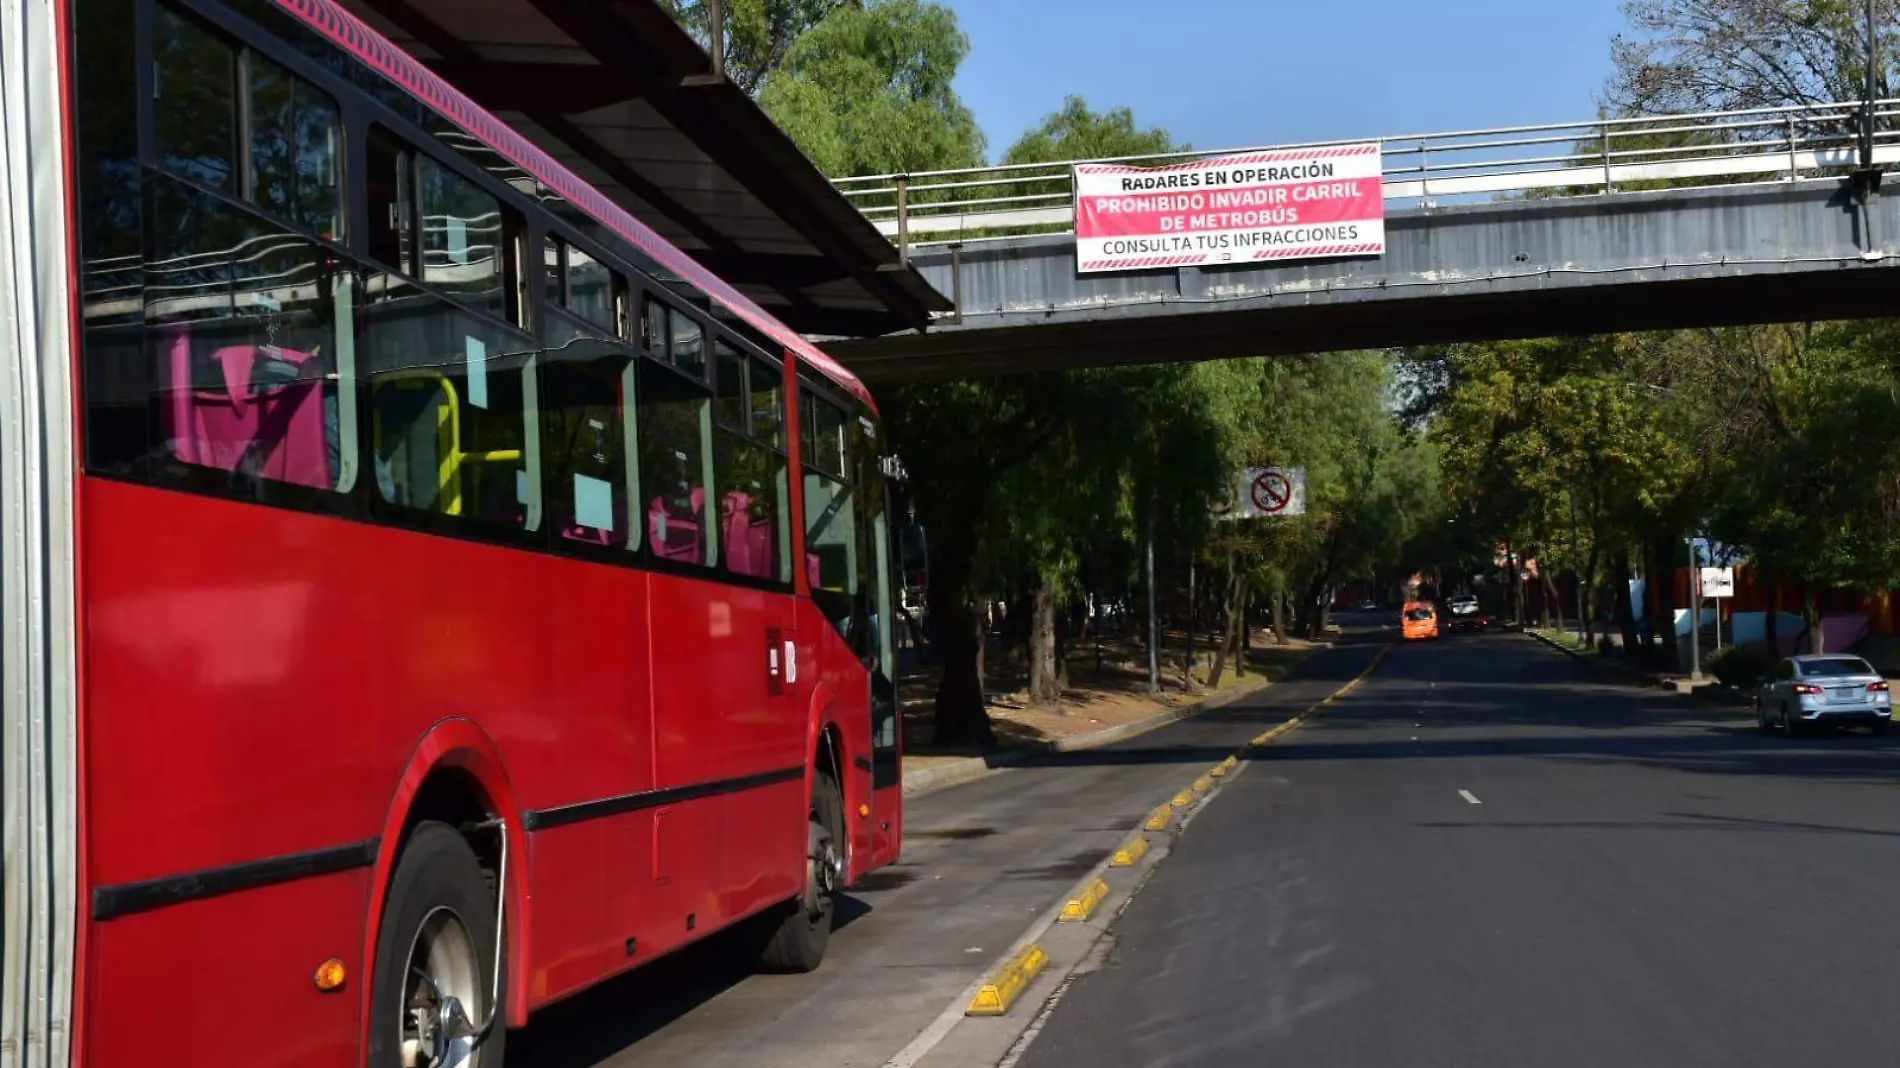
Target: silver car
[[1806, 691]]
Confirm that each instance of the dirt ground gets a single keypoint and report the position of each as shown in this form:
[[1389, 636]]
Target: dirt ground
[[1095, 699]]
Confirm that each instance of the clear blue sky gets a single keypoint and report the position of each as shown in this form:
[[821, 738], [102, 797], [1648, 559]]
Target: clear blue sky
[[1228, 73]]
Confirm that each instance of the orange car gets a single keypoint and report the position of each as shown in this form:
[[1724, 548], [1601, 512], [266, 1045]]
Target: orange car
[[1420, 621]]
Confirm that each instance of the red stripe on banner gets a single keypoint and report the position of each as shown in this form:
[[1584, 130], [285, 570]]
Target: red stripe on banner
[[1297, 252], [1250, 208], [1223, 161]]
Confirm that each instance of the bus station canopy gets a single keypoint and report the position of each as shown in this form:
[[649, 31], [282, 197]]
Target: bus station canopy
[[620, 94]]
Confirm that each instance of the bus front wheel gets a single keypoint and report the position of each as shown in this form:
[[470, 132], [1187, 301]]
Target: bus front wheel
[[803, 927], [435, 959]]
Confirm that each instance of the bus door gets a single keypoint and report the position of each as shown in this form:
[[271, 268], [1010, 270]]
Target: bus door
[[880, 660]]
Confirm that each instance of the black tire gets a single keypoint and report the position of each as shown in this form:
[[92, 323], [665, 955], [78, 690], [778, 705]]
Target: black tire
[[1790, 726], [437, 870], [803, 927], [1878, 726], [1761, 719]]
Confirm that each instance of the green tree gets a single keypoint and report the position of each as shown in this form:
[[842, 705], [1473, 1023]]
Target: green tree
[[759, 33], [1076, 132], [868, 91]]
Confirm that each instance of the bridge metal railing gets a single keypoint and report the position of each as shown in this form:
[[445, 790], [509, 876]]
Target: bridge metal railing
[[1559, 159]]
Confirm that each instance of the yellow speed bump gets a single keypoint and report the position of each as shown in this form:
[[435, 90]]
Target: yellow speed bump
[[1136, 848], [1083, 905], [1183, 799], [1203, 785], [996, 995], [1159, 819], [1218, 771]]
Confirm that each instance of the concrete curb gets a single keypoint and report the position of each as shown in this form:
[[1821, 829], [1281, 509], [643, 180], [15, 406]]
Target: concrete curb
[[969, 769], [1716, 694]]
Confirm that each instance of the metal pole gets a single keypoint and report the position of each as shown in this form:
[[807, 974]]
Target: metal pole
[[1867, 109], [1609, 186], [903, 219], [1695, 614], [1148, 566], [1576, 562], [1190, 629]]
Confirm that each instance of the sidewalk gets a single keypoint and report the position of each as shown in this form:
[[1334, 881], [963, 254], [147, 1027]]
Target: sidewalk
[[1098, 708], [1706, 689]]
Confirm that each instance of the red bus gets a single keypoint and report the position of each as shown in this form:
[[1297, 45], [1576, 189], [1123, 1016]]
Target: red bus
[[428, 593]]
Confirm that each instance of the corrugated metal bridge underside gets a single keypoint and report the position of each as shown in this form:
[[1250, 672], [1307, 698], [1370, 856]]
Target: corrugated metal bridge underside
[[1769, 252]]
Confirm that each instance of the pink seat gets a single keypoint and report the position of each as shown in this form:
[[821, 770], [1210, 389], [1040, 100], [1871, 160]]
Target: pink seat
[[271, 431], [748, 541], [681, 540]]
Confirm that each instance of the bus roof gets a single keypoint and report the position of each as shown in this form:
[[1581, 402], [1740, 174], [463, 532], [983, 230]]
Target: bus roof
[[351, 33]]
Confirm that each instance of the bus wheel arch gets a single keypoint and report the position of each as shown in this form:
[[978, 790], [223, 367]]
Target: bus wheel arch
[[455, 777]]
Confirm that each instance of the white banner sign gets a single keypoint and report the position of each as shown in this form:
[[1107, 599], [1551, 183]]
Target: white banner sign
[[1718, 582], [1292, 204], [1264, 491]]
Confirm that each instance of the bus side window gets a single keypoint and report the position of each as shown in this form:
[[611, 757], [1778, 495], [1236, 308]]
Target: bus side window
[[587, 387], [453, 411], [675, 436], [831, 513], [253, 375], [752, 472]]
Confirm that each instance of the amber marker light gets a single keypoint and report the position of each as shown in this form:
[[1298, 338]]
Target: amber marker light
[[330, 975]]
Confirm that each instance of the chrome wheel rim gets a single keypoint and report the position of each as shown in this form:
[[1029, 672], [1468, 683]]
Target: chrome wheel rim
[[823, 869], [442, 964]]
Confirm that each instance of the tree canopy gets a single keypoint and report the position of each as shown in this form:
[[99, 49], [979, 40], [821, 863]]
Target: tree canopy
[[868, 90]]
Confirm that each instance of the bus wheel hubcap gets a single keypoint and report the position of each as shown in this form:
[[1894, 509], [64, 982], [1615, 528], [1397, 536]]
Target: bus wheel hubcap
[[444, 981], [822, 868]]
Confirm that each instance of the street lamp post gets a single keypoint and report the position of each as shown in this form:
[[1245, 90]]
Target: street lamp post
[[1695, 612], [1873, 88]]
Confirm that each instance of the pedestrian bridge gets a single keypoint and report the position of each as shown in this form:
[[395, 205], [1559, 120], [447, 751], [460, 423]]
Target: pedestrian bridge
[[1679, 221]]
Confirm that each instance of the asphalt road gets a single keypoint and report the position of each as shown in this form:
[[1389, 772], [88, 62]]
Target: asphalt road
[[981, 862], [1486, 856]]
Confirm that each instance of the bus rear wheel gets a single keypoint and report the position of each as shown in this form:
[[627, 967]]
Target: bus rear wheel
[[437, 943], [803, 929]]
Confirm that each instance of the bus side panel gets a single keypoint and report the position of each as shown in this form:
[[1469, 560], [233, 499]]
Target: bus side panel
[[259, 679], [228, 980], [718, 857], [850, 712]]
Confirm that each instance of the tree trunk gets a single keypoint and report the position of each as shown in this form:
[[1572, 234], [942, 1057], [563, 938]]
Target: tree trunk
[[961, 717], [1043, 688], [1232, 603], [1587, 603], [1662, 598], [1620, 594], [1771, 623], [1246, 630], [1511, 597], [1811, 616], [1279, 613], [1552, 598]]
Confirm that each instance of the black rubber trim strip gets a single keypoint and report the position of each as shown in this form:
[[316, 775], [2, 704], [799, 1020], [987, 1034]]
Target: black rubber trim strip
[[542, 819], [126, 899], [861, 763]]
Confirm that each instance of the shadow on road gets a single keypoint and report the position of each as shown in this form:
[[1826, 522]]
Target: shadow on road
[[592, 1026]]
